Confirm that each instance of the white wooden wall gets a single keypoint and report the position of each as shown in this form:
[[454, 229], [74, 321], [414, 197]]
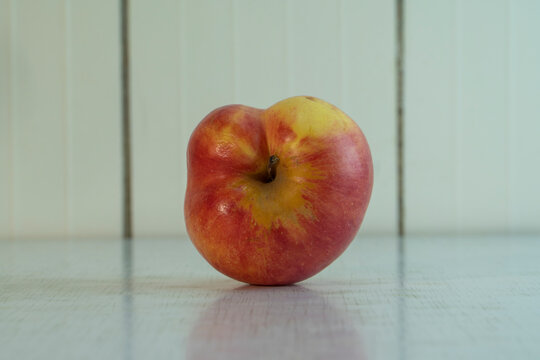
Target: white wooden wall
[[472, 116], [190, 57], [59, 118], [472, 90]]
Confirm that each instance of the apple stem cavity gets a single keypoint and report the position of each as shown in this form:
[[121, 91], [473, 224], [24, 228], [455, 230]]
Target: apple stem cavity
[[271, 168]]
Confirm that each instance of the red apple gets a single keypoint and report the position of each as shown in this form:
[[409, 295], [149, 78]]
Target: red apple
[[274, 196]]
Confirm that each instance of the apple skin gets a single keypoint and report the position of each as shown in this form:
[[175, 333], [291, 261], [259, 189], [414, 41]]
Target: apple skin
[[283, 231]]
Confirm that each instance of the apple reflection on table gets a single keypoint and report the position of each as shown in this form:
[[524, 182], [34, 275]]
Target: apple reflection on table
[[253, 322]]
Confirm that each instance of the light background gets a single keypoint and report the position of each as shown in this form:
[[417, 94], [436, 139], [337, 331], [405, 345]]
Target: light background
[[471, 126]]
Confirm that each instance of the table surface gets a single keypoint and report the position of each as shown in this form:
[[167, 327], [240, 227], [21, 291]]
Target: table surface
[[420, 298]]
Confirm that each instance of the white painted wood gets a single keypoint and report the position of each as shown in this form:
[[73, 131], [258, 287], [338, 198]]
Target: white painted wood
[[191, 57], [471, 117], [524, 116], [471, 104], [60, 119], [431, 131], [482, 115], [158, 152], [5, 121], [94, 188], [368, 96], [207, 67], [182, 69], [260, 52], [442, 298], [38, 118], [314, 49]]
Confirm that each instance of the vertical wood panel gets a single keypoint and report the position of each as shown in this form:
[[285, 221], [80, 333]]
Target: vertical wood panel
[[255, 53], [207, 69], [39, 135], [472, 116], [431, 167], [524, 116], [482, 156], [93, 89], [471, 104], [368, 96], [158, 156], [207, 64], [5, 120], [314, 49], [456, 113], [260, 50], [61, 119], [182, 69]]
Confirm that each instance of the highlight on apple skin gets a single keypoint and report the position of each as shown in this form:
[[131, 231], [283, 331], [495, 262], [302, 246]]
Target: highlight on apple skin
[[274, 196]]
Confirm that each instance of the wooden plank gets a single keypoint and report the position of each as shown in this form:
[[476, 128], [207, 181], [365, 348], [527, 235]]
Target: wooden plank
[[267, 51], [38, 118], [182, 69], [456, 143], [93, 110], [368, 96], [482, 115], [524, 116], [260, 52], [5, 121], [431, 117], [443, 298], [158, 155], [207, 66], [314, 49]]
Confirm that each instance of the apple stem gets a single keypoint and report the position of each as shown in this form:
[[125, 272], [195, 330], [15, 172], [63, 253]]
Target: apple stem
[[271, 168]]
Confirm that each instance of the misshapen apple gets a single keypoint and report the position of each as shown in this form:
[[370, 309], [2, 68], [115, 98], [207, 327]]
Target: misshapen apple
[[274, 196]]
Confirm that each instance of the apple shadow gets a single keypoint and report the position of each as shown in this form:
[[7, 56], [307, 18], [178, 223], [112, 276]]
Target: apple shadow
[[286, 322]]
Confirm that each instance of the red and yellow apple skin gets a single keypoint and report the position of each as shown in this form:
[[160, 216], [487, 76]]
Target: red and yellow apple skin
[[281, 231]]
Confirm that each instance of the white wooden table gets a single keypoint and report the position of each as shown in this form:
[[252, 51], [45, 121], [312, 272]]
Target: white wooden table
[[439, 298]]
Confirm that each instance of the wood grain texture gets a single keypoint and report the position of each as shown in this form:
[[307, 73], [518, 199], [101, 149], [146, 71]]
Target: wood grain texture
[[441, 298]]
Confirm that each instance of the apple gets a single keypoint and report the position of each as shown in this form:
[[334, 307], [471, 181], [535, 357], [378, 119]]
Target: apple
[[274, 196]]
